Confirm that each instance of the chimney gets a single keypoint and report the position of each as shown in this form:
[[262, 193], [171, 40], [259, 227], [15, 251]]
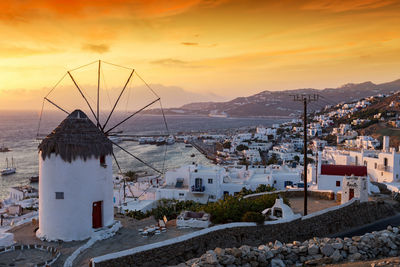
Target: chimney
[[386, 144]]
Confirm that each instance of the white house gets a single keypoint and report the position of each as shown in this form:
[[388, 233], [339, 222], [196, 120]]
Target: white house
[[76, 186], [382, 165], [18, 193], [354, 186]]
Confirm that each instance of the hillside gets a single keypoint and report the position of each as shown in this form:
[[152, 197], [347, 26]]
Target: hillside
[[280, 103]]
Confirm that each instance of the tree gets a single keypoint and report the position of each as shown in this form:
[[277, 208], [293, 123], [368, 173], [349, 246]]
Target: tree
[[272, 160], [227, 144], [131, 175], [242, 147]]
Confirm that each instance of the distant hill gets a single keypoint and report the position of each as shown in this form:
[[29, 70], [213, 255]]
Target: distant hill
[[280, 103]]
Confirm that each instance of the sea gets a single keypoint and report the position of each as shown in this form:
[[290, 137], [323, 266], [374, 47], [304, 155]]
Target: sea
[[21, 131]]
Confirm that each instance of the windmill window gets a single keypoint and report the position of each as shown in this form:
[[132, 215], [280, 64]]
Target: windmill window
[[59, 195], [103, 161], [337, 183]]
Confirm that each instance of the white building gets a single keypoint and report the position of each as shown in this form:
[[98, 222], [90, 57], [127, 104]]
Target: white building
[[331, 177], [364, 142], [18, 193], [203, 184], [382, 165], [76, 186], [354, 187], [252, 156]]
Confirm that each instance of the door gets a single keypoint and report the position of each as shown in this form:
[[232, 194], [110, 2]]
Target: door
[[351, 193], [96, 214], [198, 182]]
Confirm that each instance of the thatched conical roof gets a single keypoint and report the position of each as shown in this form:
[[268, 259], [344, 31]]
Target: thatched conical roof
[[76, 136]]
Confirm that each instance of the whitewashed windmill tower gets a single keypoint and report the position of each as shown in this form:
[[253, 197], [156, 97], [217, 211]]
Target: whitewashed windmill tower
[[76, 187], [75, 166]]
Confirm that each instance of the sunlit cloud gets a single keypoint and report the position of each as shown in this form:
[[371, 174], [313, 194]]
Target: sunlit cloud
[[96, 48]]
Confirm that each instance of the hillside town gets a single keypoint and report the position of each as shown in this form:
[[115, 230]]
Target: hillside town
[[257, 170]]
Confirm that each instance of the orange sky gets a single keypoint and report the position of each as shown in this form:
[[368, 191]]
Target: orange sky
[[211, 49]]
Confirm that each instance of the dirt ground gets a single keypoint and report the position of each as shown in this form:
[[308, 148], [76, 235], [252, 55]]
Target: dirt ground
[[313, 204], [29, 257]]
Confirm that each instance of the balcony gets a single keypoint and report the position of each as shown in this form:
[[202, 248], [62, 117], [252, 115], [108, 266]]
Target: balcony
[[198, 189], [384, 168]]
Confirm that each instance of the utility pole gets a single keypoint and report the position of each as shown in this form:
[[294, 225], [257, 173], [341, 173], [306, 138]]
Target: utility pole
[[305, 99]]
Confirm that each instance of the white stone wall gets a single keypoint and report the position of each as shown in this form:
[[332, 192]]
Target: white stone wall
[[83, 182]]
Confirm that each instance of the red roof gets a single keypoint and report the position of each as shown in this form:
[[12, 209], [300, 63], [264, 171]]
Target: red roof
[[343, 170]]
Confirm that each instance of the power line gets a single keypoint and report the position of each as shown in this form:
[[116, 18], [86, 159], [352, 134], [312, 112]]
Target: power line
[[305, 99]]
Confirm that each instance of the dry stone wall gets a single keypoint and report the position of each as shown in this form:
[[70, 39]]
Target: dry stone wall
[[320, 225]]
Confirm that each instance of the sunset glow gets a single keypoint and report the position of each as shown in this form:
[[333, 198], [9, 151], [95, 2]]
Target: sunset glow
[[214, 48]]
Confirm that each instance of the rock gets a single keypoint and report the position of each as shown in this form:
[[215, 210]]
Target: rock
[[263, 247], [313, 249], [395, 230], [235, 252], [269, 254], [319, 262], [296, 243], [337, 245], [278, 244], [344, 254], [336, 256], [327, 250], [254, 264], [353, 249], [277, 263], [389, 228], [245, 249], [356, 238], [354, 257], [262, 258], [227, 259], [211, 257], [219, 251], [192, 261], [303, 249]]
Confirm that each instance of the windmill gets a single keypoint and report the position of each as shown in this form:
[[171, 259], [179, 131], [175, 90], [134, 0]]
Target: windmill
[[106, 121]]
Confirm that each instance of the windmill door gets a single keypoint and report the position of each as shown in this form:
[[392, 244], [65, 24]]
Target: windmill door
[[351, 193], [96, 214]]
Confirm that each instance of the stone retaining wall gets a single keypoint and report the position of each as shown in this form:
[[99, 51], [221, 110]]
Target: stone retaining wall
[[319, 224]]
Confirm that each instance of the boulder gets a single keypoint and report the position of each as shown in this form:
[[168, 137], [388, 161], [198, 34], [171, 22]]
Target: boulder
[[313, 249], [277, 263], [327, 250]]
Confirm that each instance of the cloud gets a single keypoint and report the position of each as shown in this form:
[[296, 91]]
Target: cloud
[[96, 48], [8, 51], [171, 62], [348, 5], [32, 9], [189, 43]]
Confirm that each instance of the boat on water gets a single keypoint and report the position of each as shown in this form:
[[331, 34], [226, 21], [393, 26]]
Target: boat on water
[[115, 139], [34, 179], [216, 114], [170, 140], [4, 149], [9, 170], [160, 141]]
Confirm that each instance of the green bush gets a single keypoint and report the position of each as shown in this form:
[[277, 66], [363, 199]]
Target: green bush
[[252, 216]]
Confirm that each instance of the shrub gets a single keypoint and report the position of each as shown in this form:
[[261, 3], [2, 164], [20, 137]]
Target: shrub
[[252, 216]]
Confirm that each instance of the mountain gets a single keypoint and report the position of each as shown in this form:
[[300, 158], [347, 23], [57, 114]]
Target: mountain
[[280, 103]]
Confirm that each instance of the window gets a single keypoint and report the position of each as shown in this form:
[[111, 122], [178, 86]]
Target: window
[[59, 195], [103, 161], [365, 163], [210, 181], [226, 193], [376, 165], [337, 183], [181, 194], [385, 162], [212, 197]]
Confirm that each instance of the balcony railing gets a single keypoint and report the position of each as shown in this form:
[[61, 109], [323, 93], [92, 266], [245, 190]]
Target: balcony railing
[[382, 167], [198, 189]]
